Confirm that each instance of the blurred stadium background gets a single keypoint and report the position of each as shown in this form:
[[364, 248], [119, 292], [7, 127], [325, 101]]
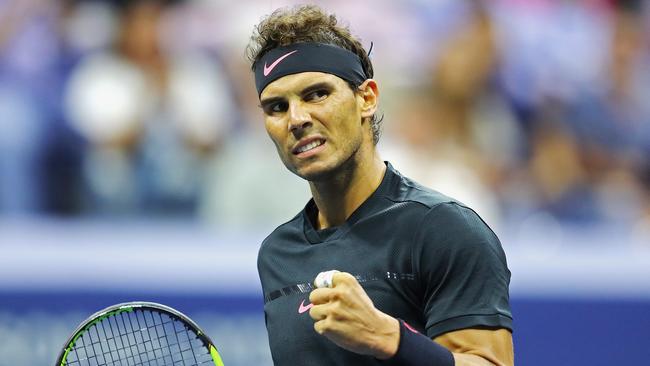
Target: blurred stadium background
[[134, 164]]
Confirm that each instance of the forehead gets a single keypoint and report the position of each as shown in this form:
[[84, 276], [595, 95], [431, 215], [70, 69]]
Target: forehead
[[295, 83]]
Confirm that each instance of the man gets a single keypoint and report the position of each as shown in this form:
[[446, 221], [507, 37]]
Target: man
[[421, 279]]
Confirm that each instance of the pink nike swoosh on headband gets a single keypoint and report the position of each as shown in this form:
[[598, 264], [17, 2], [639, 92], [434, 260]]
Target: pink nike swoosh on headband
[[268, 69], [302, 308]]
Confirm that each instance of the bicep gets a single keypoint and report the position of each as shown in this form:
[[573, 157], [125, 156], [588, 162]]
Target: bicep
[[478, 347]]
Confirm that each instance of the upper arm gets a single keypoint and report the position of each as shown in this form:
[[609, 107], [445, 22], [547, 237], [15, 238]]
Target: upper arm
[[493, 345]]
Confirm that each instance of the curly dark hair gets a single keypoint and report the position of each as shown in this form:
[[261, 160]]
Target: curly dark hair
[[308, 23]]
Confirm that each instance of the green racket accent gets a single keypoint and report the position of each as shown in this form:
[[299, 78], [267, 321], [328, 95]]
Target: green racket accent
[[215, 356], [85, 329]]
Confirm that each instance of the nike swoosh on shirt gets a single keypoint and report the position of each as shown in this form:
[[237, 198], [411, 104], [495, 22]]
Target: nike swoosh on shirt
[[268, 69], [302, 308]]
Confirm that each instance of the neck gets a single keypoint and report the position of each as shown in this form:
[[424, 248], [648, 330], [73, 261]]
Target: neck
[[337, 198]]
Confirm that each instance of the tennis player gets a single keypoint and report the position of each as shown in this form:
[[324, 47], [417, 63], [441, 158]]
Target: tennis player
[[405, 275]]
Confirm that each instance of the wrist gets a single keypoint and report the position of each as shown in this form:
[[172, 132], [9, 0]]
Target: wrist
[[417, 349], [389, 341]]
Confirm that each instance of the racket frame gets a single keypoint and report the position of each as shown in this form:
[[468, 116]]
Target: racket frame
[[129, 307]]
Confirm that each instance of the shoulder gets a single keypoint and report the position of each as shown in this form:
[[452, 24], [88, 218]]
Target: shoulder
[[455, 216], [440, 226], [284, 231], [456, 236], [276, 242], [446, 213], [408, 190], [431, 212], [455, 227]]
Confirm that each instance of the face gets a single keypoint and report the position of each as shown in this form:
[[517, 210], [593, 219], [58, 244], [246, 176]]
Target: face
[[316, 122]]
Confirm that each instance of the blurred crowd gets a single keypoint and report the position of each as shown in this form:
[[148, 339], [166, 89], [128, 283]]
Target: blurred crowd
[[146, 108]]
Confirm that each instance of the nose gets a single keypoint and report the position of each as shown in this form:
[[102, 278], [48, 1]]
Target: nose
[[299, 118]]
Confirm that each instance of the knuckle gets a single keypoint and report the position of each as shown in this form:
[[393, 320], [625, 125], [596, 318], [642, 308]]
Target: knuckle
[[347, 277], [317, 296], [328, 324], [337, 294], [343, 295]]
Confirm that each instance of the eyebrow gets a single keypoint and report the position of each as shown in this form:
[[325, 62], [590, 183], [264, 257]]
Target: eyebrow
[[268, 101], [307, 90], [315, 87]]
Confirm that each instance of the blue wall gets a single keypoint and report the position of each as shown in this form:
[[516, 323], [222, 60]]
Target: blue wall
[[594, 332], [548, 331]]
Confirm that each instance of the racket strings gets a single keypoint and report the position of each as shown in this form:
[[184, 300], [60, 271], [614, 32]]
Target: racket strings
[[140, 337]]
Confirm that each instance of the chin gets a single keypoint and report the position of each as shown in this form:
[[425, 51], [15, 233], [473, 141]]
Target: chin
[[321, 171], [319, 176], [314, 171], [314, 175]]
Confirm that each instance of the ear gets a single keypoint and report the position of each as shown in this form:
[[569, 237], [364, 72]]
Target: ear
[[369, 92]]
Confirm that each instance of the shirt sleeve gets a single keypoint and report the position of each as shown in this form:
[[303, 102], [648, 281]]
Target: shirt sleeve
[[462, 271]]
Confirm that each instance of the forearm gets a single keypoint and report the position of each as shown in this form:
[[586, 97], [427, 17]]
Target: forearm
[[415, 348], [479, 346], [464, 359]]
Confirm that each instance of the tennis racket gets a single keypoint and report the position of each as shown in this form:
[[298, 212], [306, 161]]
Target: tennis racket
[[138, 333]]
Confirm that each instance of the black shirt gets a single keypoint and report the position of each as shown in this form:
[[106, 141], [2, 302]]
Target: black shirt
[[419, 255]]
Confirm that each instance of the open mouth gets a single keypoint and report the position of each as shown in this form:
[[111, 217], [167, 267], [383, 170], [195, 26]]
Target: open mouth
[[307, 147]]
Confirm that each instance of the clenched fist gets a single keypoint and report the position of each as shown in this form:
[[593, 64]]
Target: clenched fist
[[345, 315]]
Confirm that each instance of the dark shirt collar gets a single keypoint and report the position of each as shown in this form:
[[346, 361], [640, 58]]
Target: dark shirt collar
[[373, 203]]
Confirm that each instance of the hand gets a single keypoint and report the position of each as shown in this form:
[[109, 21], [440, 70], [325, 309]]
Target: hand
[[345, 315]]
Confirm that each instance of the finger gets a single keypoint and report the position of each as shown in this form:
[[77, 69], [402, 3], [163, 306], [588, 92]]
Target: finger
[[321, 296], [318, 312], [340, 278], [344, 283], [322, 326]]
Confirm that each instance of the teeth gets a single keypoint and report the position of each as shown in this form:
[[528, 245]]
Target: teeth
[[310, 146]]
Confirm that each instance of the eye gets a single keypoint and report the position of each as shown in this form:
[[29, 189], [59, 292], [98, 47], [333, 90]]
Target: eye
[[317, 95], [277, 107]]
